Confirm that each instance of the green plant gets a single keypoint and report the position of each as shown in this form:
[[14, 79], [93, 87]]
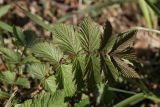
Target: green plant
[[78, 66]]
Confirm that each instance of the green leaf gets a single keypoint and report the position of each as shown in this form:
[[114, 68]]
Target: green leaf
[[45, 100], [108, 39], [129, 54], [6, 27], [90, 35], [37, 20], [3, 95], [110, 43], [18, 33], [67, 37], [105, 97], [38, 70], [4, 9], [78, 71], [30, 38], [125, 40], [30, 60], [23, 82], [8, 77], [1, 40], [48, 52], [125, 69], [65, 79], [26, 38], [129, 101], [92, 74], [9, 55], [84, 103], [50, 84], [112, 69]]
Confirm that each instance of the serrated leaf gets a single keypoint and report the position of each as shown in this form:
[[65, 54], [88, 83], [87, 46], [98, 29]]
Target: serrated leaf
[[38, 70], [110, 43], [107, 34], [4, 9], [48, 52], [78, 72], [125, 69], [50, 84], [9, 55], [67, 37], [90, 35], [30, 38], [25, 38], [8, 77], [125, 40], [129, 54], [23, 82], [112, 69], [65, 79], [92, 74], [37, 20], [46, 100], [18, 33]]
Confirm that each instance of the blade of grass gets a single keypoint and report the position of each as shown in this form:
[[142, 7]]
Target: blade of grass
[[4, 9], [37, 19], [89, 9], [153, 98], [129, 101], [154, 5], [149, 15], [6, 27], [120, 90]]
